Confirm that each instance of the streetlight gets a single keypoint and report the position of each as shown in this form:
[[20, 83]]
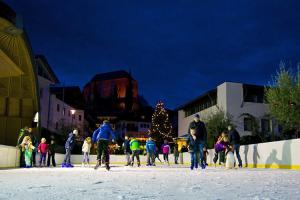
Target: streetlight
[[73, 114]]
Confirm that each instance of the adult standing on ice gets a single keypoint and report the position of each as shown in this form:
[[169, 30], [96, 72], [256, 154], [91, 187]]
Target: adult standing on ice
[[201, 134], [234, 140], [101, 136], [70, 143], [127, 150]]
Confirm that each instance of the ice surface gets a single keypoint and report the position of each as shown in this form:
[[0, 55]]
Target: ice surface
[[160, 182]]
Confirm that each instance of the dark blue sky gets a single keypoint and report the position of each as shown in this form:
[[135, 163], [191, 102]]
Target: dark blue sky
[[175, 49]]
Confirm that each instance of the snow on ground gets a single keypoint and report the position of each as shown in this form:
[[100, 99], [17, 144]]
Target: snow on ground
[[160, 182]]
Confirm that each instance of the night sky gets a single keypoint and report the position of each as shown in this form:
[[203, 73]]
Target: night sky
[[175, 49]]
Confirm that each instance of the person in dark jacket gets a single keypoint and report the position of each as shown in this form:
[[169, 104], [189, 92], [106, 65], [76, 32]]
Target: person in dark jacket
[[151, 149], [176, 152], [69, 145], [234, 140], [127, 151], [51, 154], [193, 149], [101, 136], [199, 130]]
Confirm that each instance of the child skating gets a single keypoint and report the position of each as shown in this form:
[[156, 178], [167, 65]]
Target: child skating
[[86, 148], [42, 149]]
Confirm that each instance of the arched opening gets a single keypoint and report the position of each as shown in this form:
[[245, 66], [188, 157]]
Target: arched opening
[[18, 96]]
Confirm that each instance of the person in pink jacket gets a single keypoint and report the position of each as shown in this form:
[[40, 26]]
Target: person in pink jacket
[[43, 148], [165, 148]]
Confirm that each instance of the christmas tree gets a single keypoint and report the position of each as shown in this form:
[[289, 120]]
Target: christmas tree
[[161, 127]]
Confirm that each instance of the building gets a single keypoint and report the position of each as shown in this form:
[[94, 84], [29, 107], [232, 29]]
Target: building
[[111, 94], [61, 107], [18, 79], [244, 103], [114, 96]]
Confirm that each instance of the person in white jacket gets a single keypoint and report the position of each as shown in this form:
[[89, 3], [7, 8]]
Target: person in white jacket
[[86, 148]]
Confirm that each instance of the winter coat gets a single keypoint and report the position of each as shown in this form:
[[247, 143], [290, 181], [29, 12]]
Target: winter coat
[[86, 147], [70, 143], [150, 146], [165, 148], [199, 127], [134, 145], [126, 146], [234, 137], [51, 149], [104, 132], [43, 148], [192, 144]]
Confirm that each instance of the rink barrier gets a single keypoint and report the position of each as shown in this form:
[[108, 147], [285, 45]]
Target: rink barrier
[[274, 155]]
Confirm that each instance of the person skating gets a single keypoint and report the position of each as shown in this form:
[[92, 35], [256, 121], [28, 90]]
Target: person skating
[[220, 147], [157, 154], [51, 154], [69, 145], [86, 148], [43, 149], [193, 149], [165, 148], [127, 151], [176, 152], [234, 140], [35, 144], [27, 148], [150, 148], [135, 149], [201, 136], [102, 136]]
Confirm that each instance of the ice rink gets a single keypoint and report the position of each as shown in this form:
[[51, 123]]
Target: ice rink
[[160, 182]]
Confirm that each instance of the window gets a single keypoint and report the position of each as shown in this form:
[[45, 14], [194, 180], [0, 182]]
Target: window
[[57, 107], [265, 125], [207, 101], [253, 94], [247, 124], [69, 113], [79, 117]]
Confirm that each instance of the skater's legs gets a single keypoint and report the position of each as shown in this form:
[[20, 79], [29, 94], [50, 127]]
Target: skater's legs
[[237, 151]]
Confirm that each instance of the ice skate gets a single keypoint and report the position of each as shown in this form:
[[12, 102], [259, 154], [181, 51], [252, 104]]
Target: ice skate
[[97, 165]]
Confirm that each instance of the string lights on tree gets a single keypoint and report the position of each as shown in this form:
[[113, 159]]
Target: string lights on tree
[[161, 125]]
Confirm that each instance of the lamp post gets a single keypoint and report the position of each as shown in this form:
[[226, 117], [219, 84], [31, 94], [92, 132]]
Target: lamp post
[[73, 115]]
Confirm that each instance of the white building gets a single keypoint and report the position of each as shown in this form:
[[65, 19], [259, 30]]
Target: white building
[[243, 102], [55, 113]]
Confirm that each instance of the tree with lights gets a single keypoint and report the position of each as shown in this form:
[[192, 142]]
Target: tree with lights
[[161, 126]]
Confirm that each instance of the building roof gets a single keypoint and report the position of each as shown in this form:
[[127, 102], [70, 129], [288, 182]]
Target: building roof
[[210, 92], [71, 95], [112, 75], [43, 63]]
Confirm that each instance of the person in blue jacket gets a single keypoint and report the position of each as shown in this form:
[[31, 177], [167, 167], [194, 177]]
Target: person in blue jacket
[[69, 145], [102, 136], [193, 149], [151, 149]]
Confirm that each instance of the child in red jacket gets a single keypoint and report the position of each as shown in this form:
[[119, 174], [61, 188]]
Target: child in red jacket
[[42, 149]]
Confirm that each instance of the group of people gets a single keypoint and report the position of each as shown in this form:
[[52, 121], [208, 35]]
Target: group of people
[[132, 151], [29, 147], [227, 143], [226, 146]]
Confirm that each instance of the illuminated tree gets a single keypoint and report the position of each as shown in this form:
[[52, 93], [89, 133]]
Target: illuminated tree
[[161, 127]]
